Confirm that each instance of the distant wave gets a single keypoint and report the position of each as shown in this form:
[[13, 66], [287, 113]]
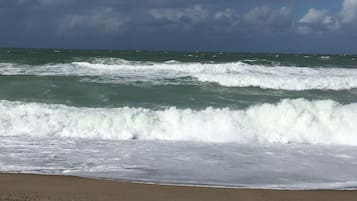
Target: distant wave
[[290, 121], [236, 74]]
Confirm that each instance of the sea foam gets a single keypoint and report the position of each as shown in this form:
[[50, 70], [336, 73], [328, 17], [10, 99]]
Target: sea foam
[[236, 74], [289, 121]]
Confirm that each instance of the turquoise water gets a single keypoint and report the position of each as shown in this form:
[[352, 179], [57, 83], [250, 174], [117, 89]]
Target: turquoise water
[[179, 96], [285, 121], [45, 76]]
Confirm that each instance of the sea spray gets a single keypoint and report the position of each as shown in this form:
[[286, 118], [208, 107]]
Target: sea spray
[[289, 121]]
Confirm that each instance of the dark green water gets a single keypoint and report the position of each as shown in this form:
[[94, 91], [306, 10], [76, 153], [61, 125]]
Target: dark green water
[[149, 116], [45, 56], [116, 78]]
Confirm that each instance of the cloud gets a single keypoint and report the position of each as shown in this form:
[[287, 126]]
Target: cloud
[[264, 15], [190, 15], [228, 17], [100, 20], [317, 21], [52, 2], [349, 11], [226, 20], [261, 18], [43, 2], [194, 23]]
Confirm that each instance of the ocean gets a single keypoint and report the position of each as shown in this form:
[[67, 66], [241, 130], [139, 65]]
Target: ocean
[[241, 120]]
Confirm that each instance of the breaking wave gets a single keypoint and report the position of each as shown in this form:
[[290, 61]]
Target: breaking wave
[[289, 121], [237, 74]]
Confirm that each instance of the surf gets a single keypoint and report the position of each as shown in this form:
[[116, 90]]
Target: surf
[[236, 74], [296, 121]]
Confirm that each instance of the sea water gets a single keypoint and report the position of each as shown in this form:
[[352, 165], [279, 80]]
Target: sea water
[[188, 118]]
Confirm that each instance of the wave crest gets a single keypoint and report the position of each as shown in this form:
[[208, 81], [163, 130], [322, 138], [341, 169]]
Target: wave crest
[[290, 121], [237, 74]]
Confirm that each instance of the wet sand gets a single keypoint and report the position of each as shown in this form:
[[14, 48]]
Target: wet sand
[[26, 187]]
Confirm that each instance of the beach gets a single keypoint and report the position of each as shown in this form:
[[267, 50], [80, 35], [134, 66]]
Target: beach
[[27, 187]]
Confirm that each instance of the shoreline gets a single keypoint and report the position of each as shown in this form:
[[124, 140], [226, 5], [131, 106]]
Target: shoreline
[[31, 187]]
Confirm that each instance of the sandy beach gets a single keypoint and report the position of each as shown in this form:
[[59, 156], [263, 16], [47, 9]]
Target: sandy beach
[[25, 187]]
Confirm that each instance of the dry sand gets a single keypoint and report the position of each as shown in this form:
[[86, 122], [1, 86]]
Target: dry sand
[[26, 187]]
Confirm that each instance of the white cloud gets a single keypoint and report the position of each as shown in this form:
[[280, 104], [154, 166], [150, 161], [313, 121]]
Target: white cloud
[[313, 16], [191, 15], [316, 20], [349, 11], [101, 20]]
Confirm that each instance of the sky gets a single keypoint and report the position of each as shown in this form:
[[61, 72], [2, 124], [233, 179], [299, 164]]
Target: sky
[[284, 26]]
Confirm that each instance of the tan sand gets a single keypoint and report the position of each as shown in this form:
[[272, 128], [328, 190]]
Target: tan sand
[[24, 187]]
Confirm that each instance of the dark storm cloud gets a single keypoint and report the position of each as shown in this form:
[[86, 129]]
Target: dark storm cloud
[[254, 25]]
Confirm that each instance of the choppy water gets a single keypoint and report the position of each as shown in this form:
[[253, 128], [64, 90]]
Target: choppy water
[[255, 120]]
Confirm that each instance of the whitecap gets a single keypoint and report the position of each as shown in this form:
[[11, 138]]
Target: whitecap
[[289, 121]]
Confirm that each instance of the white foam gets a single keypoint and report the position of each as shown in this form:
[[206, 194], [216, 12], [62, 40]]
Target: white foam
[[324, 57], [185, 163], [226, 74], [290, 121]]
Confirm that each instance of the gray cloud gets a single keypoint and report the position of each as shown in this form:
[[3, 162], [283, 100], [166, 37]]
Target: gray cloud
[[44, 3], [188, 16], [118, 3], [264, 15], [260, 18], [210, 24], [228, 17], [103, 20]]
